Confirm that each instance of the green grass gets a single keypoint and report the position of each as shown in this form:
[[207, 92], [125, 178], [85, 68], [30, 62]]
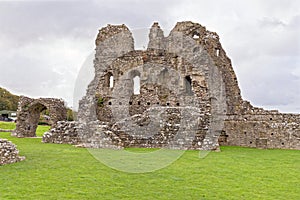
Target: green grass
[[11, 126], [41, 129], [7, 125], [59, 171]]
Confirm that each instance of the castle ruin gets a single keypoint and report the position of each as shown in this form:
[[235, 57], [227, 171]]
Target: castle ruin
[[29, 111], [179, 93]]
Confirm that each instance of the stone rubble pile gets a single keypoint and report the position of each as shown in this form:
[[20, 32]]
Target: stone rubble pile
[[65, 132], [9, 152]]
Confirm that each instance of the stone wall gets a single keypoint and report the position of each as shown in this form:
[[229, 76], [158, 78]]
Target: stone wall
[[210, 42], [9, 153], [179, 88], [29, 111], [262, 129]]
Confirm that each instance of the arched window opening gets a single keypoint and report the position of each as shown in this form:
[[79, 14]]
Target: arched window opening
[[217, 52], [196, 35], [188, 85], [111, 81], [136, 85]]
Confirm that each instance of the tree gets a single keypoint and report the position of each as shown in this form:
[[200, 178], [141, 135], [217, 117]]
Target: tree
[[70, 116], [8, 101]]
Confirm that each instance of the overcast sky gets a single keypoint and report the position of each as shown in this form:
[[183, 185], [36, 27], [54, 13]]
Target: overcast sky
[[43, 44]]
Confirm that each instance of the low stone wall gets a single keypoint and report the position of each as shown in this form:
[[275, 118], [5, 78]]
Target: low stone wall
[[256, 128], [6, 130], [9, 153], [260, 129], [64, 132], [264, 129]]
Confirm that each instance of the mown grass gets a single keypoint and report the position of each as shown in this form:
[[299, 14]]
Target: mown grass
[[59, 171], [11, 126], [7, 125], [41, 129]]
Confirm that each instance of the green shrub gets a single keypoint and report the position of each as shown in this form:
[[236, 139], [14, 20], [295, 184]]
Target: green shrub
[[100, 101]]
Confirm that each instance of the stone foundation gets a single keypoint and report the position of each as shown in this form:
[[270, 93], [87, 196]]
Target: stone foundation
[[6, 130]]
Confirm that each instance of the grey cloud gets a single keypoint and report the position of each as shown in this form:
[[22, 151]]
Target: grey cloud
[[260, 37], [26, 26], [269, 63], [29, 20], [272, 22]]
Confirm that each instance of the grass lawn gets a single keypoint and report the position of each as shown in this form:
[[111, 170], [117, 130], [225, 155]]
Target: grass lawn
[[11, 126], [58, 171], [7, 125]]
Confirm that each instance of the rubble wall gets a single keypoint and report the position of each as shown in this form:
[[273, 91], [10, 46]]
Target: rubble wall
[[64, 132]]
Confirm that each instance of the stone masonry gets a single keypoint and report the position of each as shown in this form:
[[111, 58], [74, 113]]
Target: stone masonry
[[29, 110], [9, 153], [180, 93]]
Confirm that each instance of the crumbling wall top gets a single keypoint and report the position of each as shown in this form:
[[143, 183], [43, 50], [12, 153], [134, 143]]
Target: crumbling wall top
[[109, 31], [188, 27]]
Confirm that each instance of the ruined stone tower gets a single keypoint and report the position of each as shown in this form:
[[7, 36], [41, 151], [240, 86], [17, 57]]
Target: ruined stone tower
[[180, 93]]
